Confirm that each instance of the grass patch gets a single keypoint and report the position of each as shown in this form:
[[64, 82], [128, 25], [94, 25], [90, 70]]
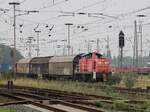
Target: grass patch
[[59, 85], [123, 105], [7, 75], [120, 101], [120, 105], [7, 110], [142, 81], [72, 86]]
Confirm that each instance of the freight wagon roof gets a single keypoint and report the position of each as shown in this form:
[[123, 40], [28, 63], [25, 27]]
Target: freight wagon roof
[[38, 60], [25, 60], [62, 59]]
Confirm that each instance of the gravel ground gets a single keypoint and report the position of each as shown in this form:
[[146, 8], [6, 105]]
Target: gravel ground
[[20, 108]]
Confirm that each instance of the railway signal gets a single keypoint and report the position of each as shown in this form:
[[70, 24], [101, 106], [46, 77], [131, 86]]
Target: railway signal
[[121, 39], [121, 45]]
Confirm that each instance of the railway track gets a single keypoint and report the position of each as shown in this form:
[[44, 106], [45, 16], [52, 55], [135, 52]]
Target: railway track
[[58, 94], [137, 91], [55, 100], [47, 101]]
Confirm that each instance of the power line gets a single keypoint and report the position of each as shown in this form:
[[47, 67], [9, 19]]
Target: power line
[[88, 6], [135, 11], [48, 6], [98, 15], [23, 1]]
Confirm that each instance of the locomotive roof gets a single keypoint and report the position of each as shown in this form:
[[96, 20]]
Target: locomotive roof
[[24, 60], [90, 54], [62, 59]]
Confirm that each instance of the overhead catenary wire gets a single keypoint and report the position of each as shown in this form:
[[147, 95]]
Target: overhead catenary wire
[[91, 5], [23, 1], [92, 28], [48, 6]]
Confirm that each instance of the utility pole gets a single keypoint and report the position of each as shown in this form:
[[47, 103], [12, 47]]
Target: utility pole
[[135, 55], [79, 49], [14, 4], [108, 49], [118, 58], [68, 24], [72, 51], [64, 49], [14, 25], [29, 42], [38, 43], [89, 47], [98, 47], [107, 46], [148, 47], [141, 43], [141, 39]]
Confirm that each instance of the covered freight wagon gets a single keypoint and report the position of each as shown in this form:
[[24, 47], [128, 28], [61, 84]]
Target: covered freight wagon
[[63, 66], [22, 66], [39, 66]]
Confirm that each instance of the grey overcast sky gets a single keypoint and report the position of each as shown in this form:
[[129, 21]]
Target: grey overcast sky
[[120, 14]]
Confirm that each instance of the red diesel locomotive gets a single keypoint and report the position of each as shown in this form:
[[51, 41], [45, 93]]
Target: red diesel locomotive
[[97, 66]]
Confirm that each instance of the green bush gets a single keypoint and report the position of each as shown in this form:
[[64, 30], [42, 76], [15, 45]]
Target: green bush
[[130, 79], [114, 79], [98, 104]]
